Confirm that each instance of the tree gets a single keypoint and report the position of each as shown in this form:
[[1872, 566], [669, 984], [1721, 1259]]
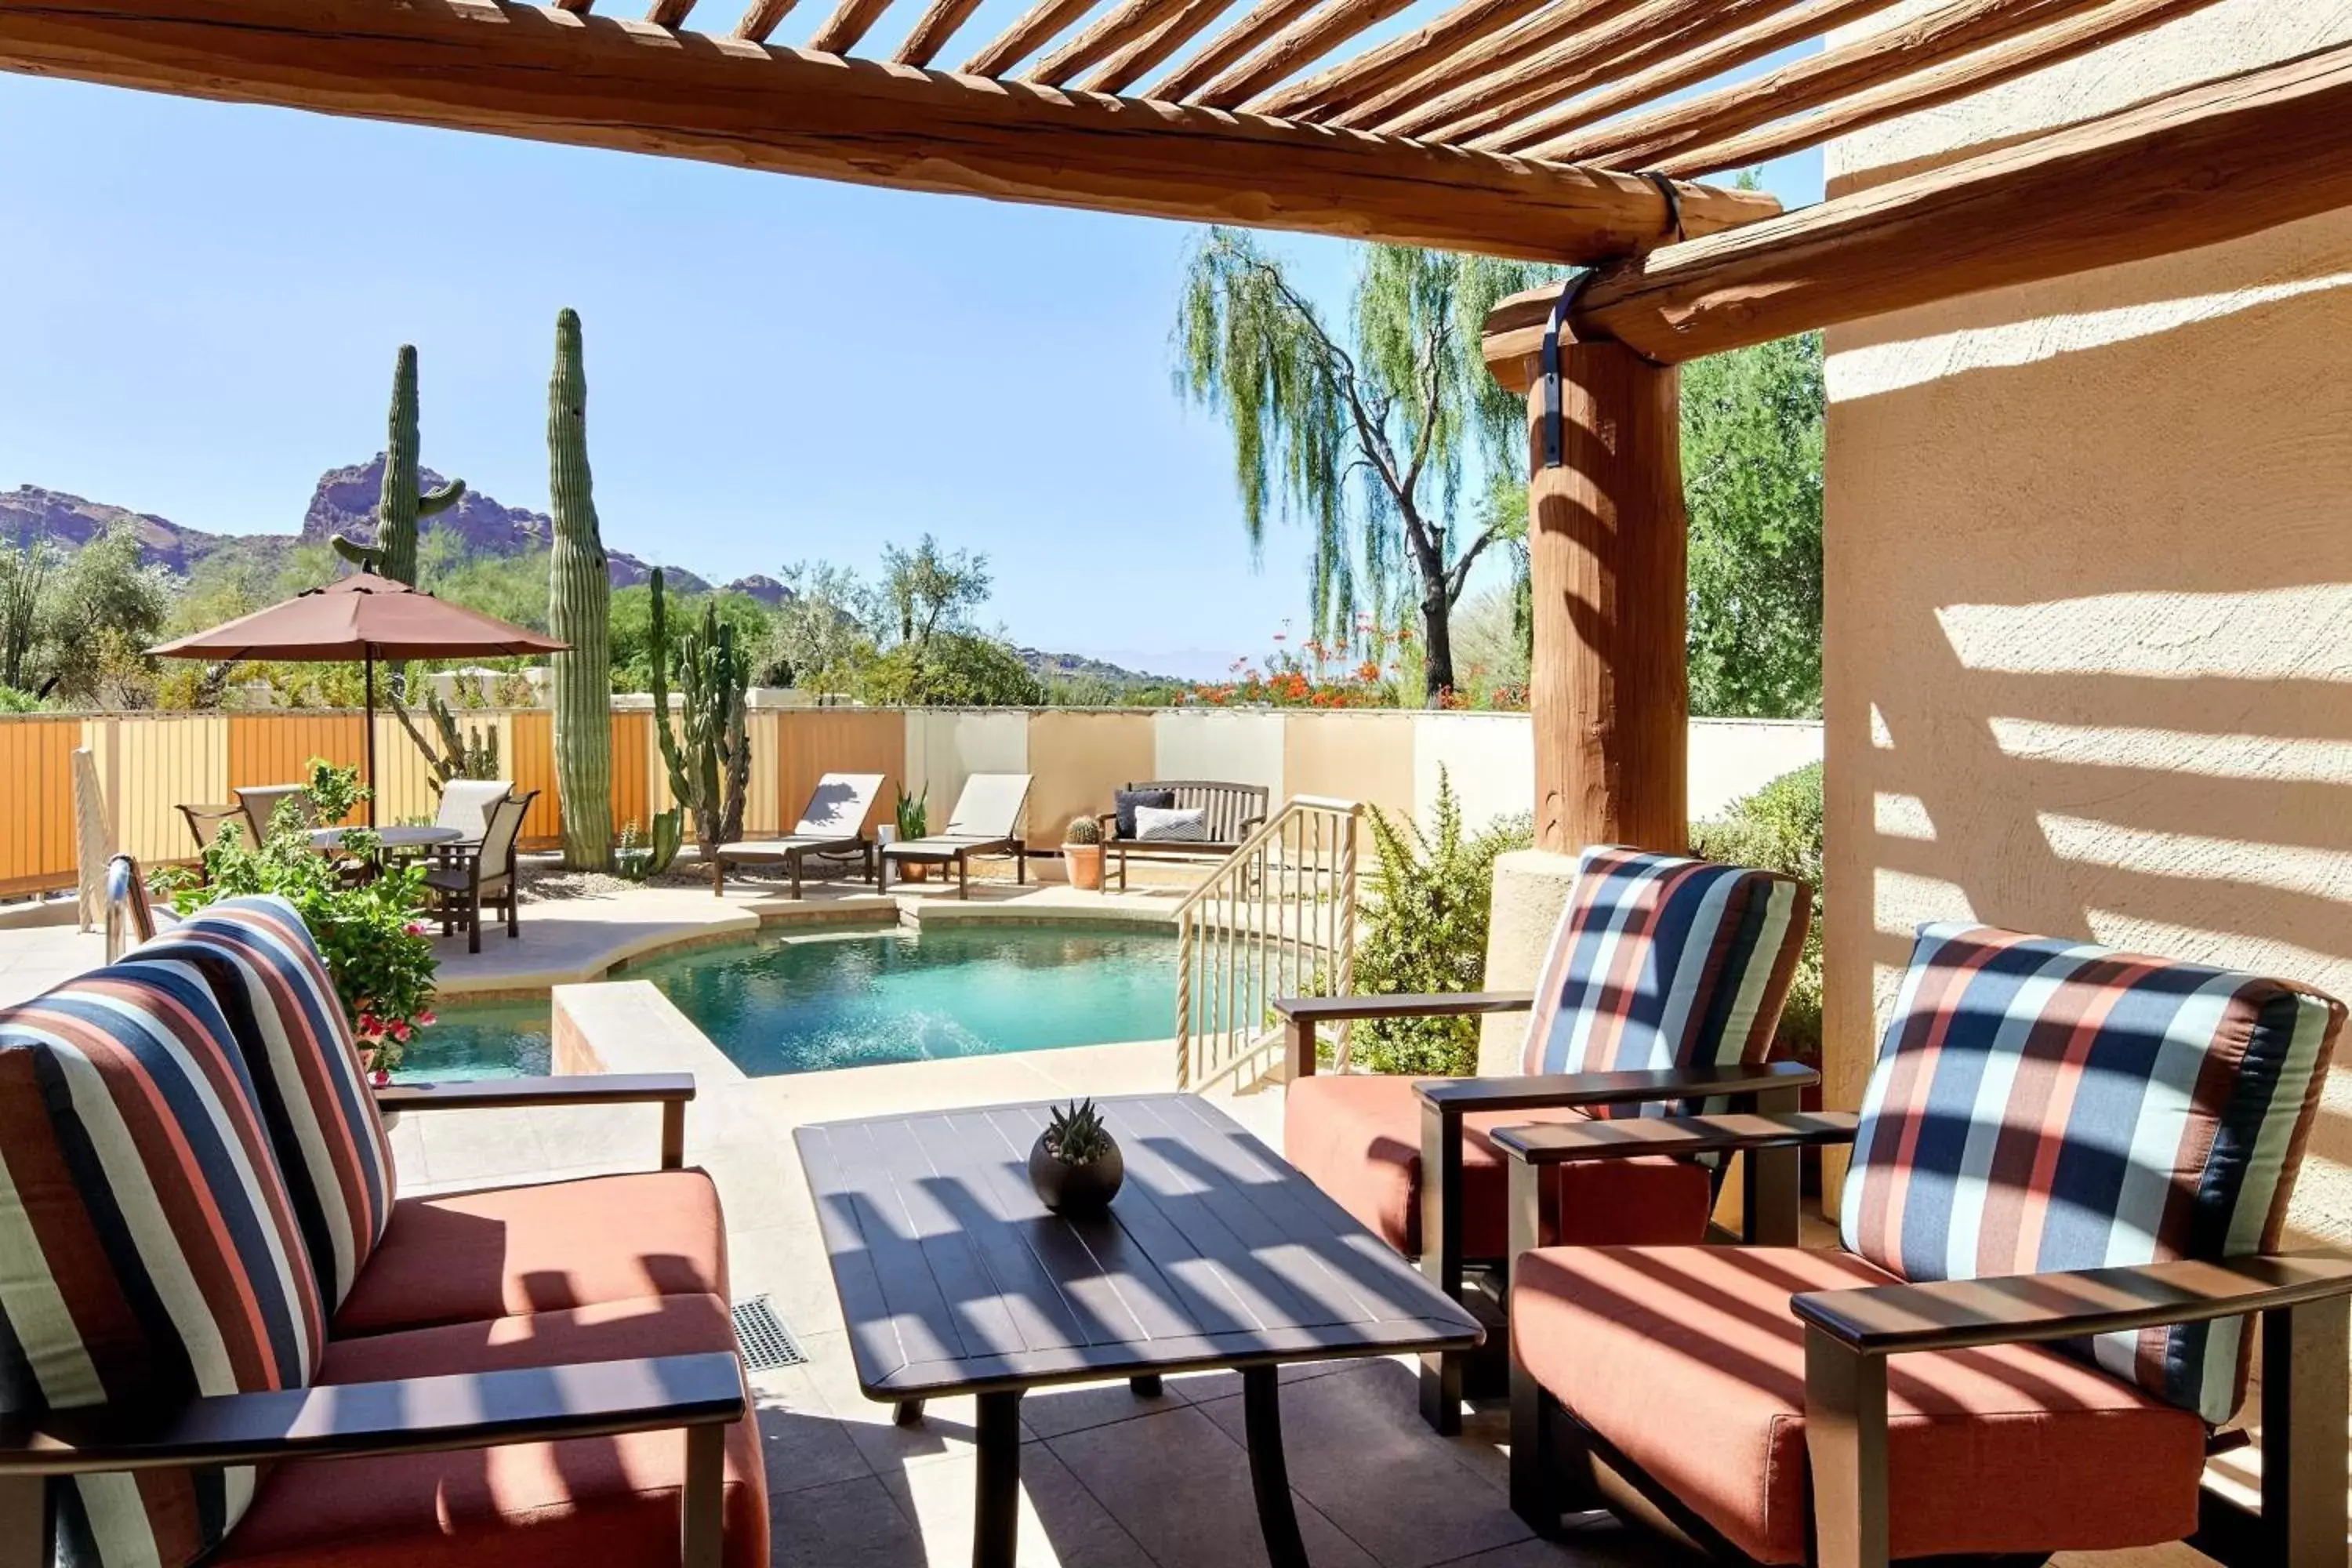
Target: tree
[[957, 669], [821, 634], [76, 627], [1752, 447], [25, 572], [1366, 442], [928, 590]]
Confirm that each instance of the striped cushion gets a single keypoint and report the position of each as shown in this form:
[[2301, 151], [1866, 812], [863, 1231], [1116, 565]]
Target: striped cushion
[[2042, 1105], [1660, 962], [147, 1250], [284, 1015]]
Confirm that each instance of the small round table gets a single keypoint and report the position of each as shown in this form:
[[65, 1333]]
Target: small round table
[[327, 839]]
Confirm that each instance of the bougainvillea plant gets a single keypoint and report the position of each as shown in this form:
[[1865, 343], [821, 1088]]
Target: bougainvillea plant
[[368, 928]]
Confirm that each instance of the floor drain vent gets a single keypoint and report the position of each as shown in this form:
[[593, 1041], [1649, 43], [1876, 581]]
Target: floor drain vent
[[766, 1344]]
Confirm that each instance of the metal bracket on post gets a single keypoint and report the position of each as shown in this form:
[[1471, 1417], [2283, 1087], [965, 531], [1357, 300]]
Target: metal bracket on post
[[1554, 438]]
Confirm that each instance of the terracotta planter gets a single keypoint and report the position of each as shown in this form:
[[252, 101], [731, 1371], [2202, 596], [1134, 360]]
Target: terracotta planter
[[1075, 1191], [1084, 862]]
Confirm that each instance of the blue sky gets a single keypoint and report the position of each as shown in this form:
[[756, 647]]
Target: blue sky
[[199, 305]]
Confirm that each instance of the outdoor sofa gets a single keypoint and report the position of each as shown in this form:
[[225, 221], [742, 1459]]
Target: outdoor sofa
[[833, 826], [986, 821], [1229, 813], [233, 1339], [2070, 1179], [1661, 992]]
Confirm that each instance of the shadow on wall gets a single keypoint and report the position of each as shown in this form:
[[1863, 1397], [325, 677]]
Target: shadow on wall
[[2089, 629]]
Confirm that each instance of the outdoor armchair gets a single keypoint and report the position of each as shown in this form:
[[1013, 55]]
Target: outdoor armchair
[[1661, 992], [2069, 1182], [538, 1375], [986, 821], [833, 826]]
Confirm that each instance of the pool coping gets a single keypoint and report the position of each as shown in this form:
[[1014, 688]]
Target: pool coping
[[741, 921]]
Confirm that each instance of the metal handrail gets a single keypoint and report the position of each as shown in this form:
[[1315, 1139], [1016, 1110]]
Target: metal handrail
[[1277, 918]]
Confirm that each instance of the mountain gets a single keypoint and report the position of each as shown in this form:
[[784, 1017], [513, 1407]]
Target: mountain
[[1075, 667], [344, 502]]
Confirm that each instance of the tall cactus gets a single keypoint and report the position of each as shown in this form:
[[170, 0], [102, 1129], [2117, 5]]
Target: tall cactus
[[709, 754], [400, 504], [579, 612]]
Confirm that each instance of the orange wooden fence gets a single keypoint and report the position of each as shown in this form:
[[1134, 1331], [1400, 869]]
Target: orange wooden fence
[[36, 823]]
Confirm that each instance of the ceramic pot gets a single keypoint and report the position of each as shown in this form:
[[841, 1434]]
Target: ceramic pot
[[1075, 1191], [1084, 862]]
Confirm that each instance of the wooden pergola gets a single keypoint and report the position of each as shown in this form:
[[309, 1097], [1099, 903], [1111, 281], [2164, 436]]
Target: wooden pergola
[[1546, 130]]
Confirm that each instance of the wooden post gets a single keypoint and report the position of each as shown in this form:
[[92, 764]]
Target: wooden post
[[1607, 548]]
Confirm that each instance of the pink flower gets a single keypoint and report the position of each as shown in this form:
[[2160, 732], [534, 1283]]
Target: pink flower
[[427, 1020], [400, 1032], [413, 928], [369, 1025]]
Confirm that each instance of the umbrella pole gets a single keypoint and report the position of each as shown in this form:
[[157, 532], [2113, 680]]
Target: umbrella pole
[[369, 665]]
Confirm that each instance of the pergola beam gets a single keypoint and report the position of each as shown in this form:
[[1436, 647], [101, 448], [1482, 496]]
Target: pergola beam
[[2208, 163], [520, 70]]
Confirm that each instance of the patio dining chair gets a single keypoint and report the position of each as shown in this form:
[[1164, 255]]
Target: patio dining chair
[[2070, 1174], [1661, 992], [260, 803], [205, 823], [465, 878], [832, 826], [465, 805], [987, 820]]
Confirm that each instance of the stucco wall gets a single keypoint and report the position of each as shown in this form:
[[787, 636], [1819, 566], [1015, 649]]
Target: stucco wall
[[2089, 617]]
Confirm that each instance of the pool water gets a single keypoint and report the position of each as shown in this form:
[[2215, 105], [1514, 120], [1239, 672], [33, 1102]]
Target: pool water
[[802, 1002]]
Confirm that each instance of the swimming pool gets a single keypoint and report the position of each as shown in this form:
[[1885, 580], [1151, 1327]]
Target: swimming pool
[[801, 1003]]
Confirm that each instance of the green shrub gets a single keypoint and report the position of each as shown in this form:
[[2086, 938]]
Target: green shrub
[[1425, 929], [1779, 828], [370, 933]]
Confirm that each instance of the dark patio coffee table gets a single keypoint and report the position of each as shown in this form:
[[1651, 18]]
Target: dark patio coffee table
[[1216, 1254]]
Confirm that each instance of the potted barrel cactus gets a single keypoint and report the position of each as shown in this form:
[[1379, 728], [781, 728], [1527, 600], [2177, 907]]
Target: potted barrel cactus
[[1082, 853], [1075, 1165]]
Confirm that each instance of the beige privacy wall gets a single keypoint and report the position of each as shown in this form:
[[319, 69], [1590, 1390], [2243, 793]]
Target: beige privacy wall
[[2089, 617]]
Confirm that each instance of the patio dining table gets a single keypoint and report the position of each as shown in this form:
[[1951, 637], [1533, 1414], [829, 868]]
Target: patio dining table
[[1216, 1254], [326, 839]]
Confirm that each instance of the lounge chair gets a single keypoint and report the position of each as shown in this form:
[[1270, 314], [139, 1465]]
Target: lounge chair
[[831, 827], [986, 821], [464, 878], [2070, 1174], [465, 805], [260, 804], [1664, 986], [240, 1284]]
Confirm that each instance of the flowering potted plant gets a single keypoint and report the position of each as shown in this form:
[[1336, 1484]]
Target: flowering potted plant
[[1082, 853], [367, 930]]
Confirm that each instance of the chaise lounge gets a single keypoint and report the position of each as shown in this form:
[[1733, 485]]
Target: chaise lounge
[[986, 821], [1663, 990], [2070, 1179], [213, 1271], [831, 827]]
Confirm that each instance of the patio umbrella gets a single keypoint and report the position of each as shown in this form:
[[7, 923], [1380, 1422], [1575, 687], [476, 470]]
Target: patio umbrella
[[366, 617]]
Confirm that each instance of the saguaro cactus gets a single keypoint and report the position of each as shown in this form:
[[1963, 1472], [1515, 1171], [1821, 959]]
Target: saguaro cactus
[[579, 611], [709, 752], [400, 504]]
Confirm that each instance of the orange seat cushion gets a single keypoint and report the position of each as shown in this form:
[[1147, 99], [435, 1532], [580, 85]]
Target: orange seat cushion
[[1358, 1137], [467, 1257], [1688, 1362], [526, 1505]]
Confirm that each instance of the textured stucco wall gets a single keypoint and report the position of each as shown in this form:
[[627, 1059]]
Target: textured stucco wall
[[2089, 560]]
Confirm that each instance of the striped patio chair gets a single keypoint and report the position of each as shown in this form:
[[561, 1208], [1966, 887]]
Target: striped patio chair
[[2069, 1178], [1661, 992]]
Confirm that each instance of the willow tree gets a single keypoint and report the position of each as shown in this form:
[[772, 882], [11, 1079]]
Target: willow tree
[[1365, 441]]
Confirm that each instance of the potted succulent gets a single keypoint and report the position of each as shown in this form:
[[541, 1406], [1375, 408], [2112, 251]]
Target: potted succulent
[[912, 816], [1082, 853], [1075, 1165]]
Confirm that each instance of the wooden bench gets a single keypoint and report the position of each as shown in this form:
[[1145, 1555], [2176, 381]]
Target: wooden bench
[[1235, 811]]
